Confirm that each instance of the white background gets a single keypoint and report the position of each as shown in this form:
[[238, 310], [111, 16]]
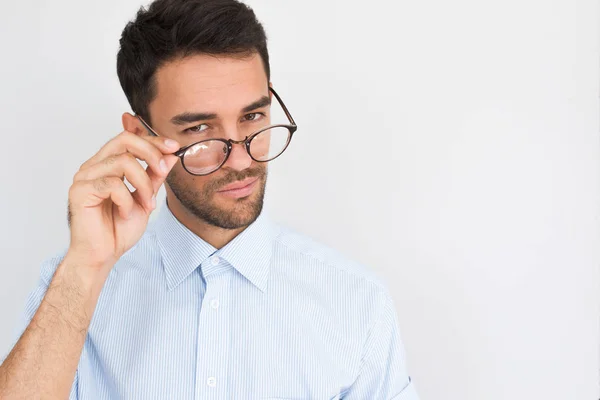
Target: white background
[[452, 146]]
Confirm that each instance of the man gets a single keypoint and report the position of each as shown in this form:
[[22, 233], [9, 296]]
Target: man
[[212, 300]]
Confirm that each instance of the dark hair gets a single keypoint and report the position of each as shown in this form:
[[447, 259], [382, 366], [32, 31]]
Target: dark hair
[[171, 29]]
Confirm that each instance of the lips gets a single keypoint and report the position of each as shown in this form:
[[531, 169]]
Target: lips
[[239, 185]]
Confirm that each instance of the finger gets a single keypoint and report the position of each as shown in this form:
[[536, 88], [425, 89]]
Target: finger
[[150, 149], [94, 192], [158, 180], [122, 165]]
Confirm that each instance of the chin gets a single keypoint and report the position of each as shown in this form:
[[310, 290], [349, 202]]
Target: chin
[[220, 211], [232, 213], [245, 210]]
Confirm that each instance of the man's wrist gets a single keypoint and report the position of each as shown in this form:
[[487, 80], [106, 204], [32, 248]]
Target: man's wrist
[[81, 277]]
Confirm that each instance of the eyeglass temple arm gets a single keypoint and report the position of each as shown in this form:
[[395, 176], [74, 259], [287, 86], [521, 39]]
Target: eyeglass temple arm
[[285, 110], [150, 130]]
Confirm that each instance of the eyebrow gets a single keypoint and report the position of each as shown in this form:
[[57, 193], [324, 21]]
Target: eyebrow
[[189, 117], [262, 102]]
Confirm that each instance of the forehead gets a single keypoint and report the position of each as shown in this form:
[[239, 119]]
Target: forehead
[[206, 83]]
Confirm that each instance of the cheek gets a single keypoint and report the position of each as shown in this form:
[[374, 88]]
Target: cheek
[[183, 179], [207, 184]]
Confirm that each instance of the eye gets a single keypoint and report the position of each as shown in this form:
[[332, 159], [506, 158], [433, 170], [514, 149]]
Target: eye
[[253, 116], [197, 128]]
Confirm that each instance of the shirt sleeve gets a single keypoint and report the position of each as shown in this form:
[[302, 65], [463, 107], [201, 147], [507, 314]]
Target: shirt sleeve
[[383, 373], [33, 303]]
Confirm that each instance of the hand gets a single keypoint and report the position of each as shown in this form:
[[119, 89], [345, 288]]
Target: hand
[[105, 218]]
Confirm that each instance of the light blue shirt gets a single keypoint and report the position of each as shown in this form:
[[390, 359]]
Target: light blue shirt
[[272, 315]]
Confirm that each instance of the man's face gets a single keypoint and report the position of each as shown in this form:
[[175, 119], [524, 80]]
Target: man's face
[[222, 88]]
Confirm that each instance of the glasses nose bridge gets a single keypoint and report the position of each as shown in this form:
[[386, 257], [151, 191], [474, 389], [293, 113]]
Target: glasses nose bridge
[[243, 141]]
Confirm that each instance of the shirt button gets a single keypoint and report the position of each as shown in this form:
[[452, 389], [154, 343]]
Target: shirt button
[[215, 261], [214, 303], [212, 381]]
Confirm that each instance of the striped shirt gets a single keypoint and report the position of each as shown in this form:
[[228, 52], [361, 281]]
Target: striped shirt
[[272, 315]]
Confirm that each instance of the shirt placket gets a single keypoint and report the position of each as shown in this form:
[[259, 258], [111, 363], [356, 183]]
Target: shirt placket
[[213, 331]]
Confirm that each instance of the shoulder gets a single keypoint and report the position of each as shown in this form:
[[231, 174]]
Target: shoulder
[[308, 248], [49, 265], [331, 286], [313, 257], [145, 249]]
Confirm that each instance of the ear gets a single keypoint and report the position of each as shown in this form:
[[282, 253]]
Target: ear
[[132, 124]]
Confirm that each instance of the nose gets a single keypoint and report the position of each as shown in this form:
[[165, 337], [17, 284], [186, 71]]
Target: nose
[[239, 159]]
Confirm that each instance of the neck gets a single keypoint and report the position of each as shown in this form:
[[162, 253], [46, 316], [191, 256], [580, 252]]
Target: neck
[[213, 235]]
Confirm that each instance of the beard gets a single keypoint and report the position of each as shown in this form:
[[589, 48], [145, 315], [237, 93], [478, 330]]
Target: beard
[[201, 202]]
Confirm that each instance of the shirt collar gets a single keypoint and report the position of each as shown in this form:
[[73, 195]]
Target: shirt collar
[[183, 251]]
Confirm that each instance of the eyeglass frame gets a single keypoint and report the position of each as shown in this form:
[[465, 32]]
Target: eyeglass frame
[[292, 127]]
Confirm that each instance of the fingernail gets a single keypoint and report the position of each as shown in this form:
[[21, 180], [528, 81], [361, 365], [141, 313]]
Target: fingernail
[[163, 166], [171, 143], [153, 201]]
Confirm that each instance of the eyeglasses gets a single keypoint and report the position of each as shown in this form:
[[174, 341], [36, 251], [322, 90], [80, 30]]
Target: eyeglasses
[[208, 155]]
